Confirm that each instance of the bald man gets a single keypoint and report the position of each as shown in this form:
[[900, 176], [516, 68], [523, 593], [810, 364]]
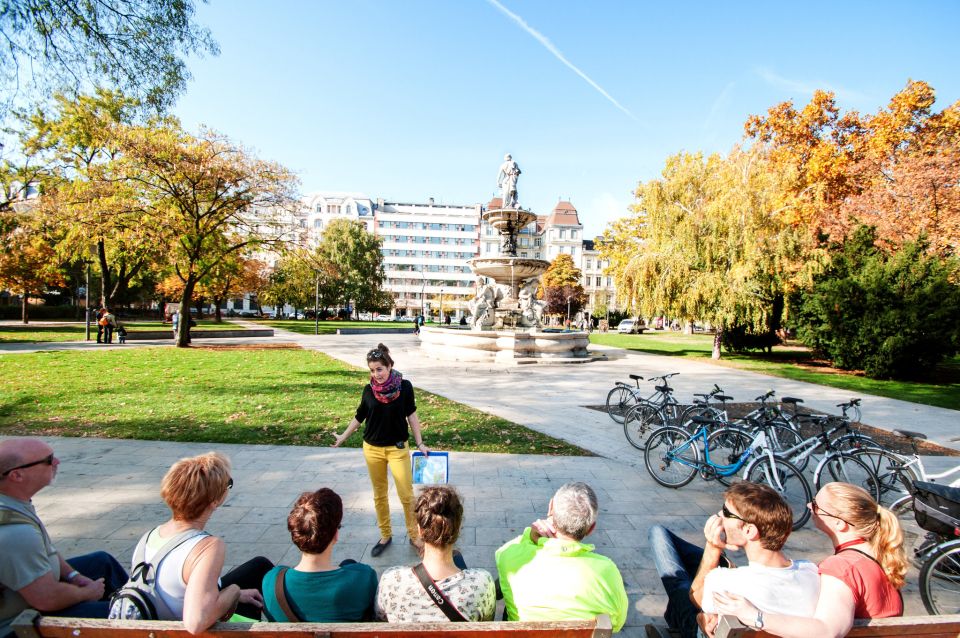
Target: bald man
[[33, 574]]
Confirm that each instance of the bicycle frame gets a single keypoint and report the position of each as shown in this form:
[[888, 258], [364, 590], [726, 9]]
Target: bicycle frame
[[759, 441]]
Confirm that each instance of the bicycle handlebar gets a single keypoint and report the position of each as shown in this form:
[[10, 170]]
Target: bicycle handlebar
[[763, 398]]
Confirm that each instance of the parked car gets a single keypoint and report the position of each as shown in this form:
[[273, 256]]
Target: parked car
[[628, 326]]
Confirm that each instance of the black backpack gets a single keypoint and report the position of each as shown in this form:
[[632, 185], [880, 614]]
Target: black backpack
[[937, 508], [139, 599]]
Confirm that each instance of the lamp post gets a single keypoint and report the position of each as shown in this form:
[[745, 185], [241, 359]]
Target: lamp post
[[423, 287], [316, 307], [441, 305], [568, 311], [86, 300]]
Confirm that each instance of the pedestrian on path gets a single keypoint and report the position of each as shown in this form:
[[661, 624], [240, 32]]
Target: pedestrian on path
[[387, 405], [100, 324], [109, 325]]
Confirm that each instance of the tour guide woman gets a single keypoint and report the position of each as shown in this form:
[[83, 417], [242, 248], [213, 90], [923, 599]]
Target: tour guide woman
[[387, 406]]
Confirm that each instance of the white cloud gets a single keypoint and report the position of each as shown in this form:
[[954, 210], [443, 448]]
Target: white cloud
[[807, 88], [549, 46]]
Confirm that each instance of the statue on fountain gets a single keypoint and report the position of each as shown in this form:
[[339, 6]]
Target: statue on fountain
[[531, 308], [483, 305], [507, 181]]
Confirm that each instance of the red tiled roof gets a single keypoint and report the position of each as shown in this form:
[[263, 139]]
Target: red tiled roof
[[495, 203], [564, 214]]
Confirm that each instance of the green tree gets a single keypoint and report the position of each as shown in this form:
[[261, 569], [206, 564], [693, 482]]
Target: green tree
[[892, 315], [136, 46], [562, 290], [28, 263], [355, 255]]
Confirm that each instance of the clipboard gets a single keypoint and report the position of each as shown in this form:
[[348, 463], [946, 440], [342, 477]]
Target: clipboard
[[430, 470]]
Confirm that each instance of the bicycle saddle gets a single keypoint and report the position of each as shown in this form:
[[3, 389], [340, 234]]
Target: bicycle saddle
[[723, 397], [636, 377], [662, 388], [911, 435], [792, 400], [700, 420]]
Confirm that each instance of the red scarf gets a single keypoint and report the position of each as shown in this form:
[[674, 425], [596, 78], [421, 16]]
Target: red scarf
[[388, 390]]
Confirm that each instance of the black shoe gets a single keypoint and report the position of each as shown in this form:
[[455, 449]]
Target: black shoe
[[380, 546]]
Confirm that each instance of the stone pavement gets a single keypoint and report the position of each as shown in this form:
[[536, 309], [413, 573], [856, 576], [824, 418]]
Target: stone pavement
[[107, 493]]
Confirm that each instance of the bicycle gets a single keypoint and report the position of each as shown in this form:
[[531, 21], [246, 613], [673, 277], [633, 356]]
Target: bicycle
[[937, 510], [647, 416], [836, 464], [622, 397], [897, 472], [672, 457]]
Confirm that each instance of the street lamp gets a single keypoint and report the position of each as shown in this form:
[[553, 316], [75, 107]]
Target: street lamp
[[316, 307], [568, 311], [441, 305], [423, 287], [86, 300]]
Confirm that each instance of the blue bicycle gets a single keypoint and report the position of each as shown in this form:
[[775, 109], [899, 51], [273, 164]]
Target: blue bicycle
[[673, 457]]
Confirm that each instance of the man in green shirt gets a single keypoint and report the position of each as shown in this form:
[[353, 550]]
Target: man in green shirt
[[548, 573]]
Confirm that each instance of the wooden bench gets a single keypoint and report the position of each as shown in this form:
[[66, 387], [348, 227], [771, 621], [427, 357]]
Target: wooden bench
[[907, 626], [30, 624]]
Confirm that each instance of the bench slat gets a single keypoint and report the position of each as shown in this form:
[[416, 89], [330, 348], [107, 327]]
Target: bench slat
[[922, 626], [31, 625]]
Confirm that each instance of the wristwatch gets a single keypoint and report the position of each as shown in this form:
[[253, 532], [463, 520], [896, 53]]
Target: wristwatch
[[758, 623]]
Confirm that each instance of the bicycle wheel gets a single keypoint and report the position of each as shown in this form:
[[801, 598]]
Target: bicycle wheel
[[671, 456], [940, 580], [894, 478], [725, 447], [786, 479], [619, 400], [781, 437], [639, 420], [845, 468]]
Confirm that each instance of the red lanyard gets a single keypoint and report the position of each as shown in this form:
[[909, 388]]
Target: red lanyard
[[839, 548]]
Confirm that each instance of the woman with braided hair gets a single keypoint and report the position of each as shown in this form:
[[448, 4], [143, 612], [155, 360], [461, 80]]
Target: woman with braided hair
[[388, 407], [861, 580]]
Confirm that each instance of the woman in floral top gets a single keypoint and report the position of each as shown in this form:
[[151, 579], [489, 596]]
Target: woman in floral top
[[402, 598]]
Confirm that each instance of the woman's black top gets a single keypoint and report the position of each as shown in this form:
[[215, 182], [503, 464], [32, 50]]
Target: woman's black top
[[386, 422]]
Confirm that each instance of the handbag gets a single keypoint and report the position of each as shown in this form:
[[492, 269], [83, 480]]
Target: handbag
[[281, 595], [437, 596]]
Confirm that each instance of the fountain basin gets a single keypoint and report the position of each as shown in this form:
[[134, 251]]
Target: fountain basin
[[504, 346], [507, 270]]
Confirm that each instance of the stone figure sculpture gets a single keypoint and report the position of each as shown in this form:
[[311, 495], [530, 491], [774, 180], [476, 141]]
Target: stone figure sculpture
[[531, 308], [507, 181], [482, 306]]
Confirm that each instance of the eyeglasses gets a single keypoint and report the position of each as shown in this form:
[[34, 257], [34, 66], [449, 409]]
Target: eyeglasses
[[48, 460], [726, 513], [819, 511], [375, 354], [230, 483]]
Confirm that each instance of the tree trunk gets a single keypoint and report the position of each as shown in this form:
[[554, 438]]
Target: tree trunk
[[217, 317], [688, 327], [106, 291], [716, 343], [23, 307], [183, 327]]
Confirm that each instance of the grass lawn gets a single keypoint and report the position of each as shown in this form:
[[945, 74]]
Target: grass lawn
[[794, 362], [225, 395], [306, 326], [52, 331]]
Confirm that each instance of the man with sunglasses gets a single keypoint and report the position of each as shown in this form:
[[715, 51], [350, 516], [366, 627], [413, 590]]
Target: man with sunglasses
[[754, 518], [33, 574]]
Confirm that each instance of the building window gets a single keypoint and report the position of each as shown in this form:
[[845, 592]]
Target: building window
[[536, 242], [588, 265], [599, 281], [333, 209], [609, 281], [573, 234], [563, 233], [319, 208], [317, 223]]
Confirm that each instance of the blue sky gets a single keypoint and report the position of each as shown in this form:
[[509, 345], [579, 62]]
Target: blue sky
[[408, 100]]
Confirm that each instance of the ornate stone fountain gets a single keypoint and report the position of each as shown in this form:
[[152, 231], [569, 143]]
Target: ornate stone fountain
[[506, 316]]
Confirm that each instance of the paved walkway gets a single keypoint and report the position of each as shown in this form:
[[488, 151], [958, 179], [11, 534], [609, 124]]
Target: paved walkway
[[107, 494]]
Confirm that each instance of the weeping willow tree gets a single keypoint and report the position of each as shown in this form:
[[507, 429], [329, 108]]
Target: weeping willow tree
[[709, 241]]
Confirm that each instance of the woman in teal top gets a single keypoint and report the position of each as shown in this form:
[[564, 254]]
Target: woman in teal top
[[316, 589]]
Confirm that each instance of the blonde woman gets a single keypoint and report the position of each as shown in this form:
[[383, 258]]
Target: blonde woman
[[188, 578], [861, 580]]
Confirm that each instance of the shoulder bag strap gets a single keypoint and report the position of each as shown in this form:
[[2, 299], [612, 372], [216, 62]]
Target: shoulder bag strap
[[281, 593], [437, 596]]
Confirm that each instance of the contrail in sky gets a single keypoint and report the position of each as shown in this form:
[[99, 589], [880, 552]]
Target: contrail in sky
[[542, 39]]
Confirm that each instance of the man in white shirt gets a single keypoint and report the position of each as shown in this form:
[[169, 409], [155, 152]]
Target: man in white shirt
[[755, 518]]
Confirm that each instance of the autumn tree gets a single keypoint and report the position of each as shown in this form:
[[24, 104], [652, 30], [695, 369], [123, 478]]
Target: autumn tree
[[97, 216], [136, 46], [206, 197], [296, 278], [28, 263], [254, 279], [561, 286], [713, 243]]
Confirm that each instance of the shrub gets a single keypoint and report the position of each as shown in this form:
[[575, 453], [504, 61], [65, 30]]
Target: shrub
[[892, 315], [737, 339]]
